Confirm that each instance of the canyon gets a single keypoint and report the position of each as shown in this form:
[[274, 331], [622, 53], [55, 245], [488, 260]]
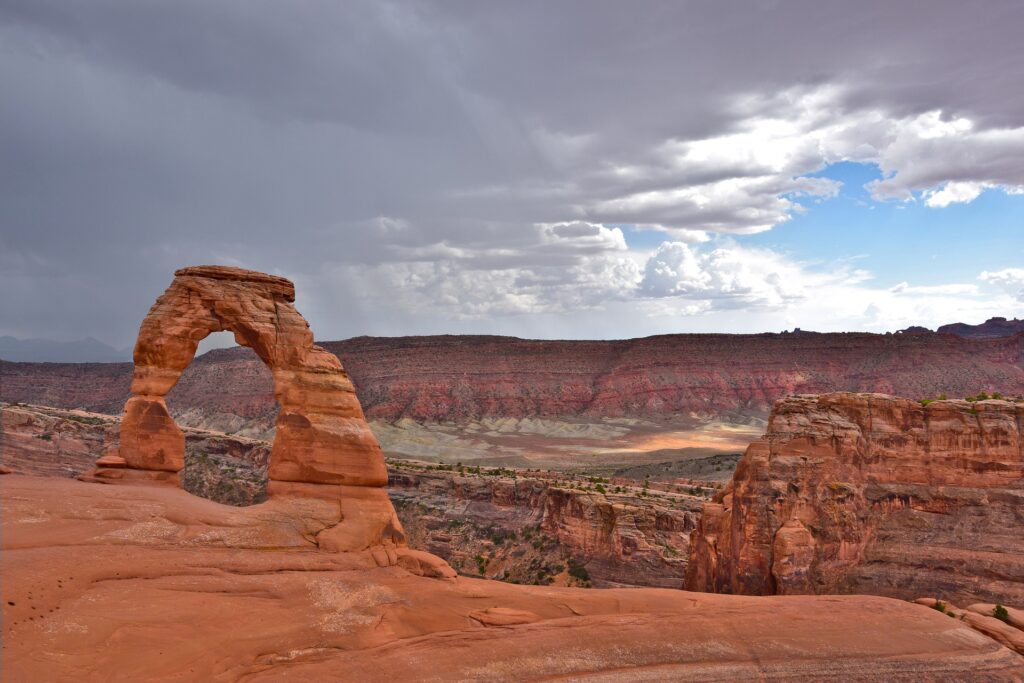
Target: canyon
[[866, 493], [528, 525]]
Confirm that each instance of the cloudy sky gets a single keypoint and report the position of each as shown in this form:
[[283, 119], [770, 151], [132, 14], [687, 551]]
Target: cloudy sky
[[541, 169]]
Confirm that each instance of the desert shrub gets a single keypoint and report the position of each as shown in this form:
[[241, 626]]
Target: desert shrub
[[600, 489], [940, 606], [1001, 613], [87, 420], [578, 571]]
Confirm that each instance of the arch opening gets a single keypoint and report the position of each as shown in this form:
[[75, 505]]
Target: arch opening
[[240, 404]]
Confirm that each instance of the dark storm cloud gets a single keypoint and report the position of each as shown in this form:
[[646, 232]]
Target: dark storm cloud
[[309, 138]]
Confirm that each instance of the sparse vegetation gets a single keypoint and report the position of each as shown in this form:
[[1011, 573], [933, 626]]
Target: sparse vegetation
[[1001, 613], [86, 420], [578, 571]]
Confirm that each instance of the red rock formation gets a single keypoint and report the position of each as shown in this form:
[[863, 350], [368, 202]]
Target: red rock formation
[[874, 494], [323, 446], [133, 583], [463, 377]]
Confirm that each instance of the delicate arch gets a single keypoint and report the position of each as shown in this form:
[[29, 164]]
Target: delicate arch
[[322, 436]]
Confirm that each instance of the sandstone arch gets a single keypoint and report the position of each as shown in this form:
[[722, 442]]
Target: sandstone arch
[[323, 446]]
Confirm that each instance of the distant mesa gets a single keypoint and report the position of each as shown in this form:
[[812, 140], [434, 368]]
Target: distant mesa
[[990, 329]]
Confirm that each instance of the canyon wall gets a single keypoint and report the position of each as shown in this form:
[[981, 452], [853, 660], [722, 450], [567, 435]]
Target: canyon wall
[[460, 378], [864, 493], [533, 530]]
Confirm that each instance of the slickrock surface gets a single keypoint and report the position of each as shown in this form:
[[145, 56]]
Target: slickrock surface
[[531, 529], [864, 493], [1008, 631], [132, 583], [460, 378]]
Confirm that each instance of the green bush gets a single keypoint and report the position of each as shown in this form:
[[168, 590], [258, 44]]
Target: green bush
[[1000, 613], [578, 571]]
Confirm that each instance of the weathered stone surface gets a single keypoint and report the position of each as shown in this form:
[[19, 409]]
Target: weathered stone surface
[[866, 493], [322, 436], [133, 583], [323, 447], [1008, 633]]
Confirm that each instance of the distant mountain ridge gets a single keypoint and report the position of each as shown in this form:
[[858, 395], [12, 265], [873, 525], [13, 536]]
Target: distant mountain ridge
[[990, 329], [731, 377], [91, 350]]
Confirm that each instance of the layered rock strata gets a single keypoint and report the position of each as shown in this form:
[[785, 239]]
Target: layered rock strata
[[464, 378], [866, 493]]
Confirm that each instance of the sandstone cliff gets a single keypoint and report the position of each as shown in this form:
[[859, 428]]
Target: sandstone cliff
[[863, 493], [535, 530], [459, 378]]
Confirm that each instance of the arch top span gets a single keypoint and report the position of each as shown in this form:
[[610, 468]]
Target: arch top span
[[321, 434]]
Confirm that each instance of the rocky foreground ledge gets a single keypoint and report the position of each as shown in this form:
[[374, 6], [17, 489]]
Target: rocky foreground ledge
[[131, 583]]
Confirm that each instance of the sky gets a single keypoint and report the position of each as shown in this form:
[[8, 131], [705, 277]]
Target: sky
[[539, 169]]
